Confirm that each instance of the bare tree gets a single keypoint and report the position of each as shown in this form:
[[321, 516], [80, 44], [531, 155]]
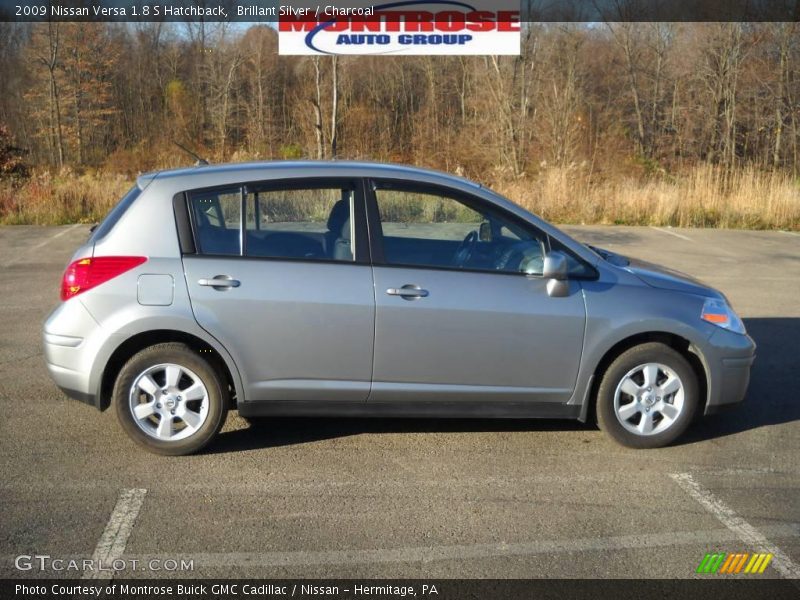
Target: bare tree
[[316, 102], [334, 105], [45, 48], [561, 122], [723, 55]]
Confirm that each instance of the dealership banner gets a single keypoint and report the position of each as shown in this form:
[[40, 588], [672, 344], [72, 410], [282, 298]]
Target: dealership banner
[[402, 28]]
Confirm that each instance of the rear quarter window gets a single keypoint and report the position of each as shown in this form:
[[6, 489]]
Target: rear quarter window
[[217, 221], [115, 215]]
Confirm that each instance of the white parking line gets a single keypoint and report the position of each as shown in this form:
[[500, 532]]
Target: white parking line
[[115, 536], [303, 558], [744, 530], [40, 244], [672, 233]]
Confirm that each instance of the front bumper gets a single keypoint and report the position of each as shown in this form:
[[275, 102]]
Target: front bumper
[[728, 361]]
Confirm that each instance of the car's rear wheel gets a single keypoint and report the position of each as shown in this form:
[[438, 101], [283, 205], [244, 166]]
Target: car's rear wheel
[[647, 396], [169, 399]]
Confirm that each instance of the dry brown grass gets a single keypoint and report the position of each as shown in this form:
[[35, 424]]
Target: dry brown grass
[[705, 196], [48, 199]]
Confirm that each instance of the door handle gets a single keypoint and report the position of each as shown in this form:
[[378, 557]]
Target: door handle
[[408, 292], [220, 282]]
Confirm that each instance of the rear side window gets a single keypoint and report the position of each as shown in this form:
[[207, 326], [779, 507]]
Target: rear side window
[[312, 223], [217, 221], [116, 214]]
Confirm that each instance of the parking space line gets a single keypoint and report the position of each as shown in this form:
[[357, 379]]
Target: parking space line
[[40, 244], [111, 545], [304, 558], [744, 530], [672, 233]]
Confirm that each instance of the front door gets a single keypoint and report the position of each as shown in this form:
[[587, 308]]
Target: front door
[[462, 310]]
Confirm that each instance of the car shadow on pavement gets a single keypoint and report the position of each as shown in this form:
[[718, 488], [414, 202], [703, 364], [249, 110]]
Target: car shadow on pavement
[[772, 399], [271, 432], [773, 396]]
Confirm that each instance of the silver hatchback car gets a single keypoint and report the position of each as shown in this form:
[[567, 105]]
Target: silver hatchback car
[[339, 288]]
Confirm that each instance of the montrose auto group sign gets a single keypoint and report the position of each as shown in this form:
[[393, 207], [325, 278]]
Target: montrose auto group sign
[[445, 27]]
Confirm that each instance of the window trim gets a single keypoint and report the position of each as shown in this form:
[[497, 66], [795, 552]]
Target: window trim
[[372, 185], [180, 208], [358, 217]]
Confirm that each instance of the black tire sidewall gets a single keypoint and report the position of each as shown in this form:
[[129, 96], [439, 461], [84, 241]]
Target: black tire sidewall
[[638, 355], [183, 356]]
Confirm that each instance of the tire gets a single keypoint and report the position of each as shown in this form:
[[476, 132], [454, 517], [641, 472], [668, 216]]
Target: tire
[[170, 400], [638, 414]]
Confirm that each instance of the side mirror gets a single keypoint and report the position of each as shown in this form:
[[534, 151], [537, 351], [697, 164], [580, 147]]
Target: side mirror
[[555, 271], [555, 266], [485, 232]]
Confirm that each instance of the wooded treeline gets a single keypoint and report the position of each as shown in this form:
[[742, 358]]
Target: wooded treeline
[[603, 100], [114, 95]]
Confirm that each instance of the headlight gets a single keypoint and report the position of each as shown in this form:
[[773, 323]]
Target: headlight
[[717, 311]]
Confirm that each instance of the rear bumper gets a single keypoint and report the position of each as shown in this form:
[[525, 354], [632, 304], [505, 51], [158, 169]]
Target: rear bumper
[[70, 353], [72, 383]]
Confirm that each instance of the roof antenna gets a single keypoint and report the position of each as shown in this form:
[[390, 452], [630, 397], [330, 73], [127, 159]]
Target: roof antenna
[[200, 161]]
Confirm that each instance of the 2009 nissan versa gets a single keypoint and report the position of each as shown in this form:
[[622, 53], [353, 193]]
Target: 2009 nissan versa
[[338, 288]]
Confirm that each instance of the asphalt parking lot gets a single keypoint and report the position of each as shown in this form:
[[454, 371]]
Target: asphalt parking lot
[[410, 498]]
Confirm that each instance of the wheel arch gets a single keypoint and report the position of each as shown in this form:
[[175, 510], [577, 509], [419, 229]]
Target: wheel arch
[[145, 339], [678, 343]]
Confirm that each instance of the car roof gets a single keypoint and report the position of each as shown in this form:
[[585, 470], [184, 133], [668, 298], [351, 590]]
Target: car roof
[[248, 170]]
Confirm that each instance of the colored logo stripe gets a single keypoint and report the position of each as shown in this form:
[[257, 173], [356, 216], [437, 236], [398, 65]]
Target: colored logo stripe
[[758, 563], [734, 563], [711, 562]]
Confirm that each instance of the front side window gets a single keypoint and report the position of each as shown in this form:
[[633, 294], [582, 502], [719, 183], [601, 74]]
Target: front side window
[[436, 229]]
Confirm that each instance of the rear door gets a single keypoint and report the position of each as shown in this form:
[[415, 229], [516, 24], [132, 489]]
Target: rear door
[[281, 278], [463, 312]]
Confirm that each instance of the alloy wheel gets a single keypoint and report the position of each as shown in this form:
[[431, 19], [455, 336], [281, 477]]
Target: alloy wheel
[[168, 402], [649, 399]]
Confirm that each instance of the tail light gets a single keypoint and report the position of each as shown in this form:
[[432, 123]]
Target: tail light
[[86, 273]]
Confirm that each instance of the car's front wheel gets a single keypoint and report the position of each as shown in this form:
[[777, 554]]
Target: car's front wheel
[[647, 396], [169, 399]]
